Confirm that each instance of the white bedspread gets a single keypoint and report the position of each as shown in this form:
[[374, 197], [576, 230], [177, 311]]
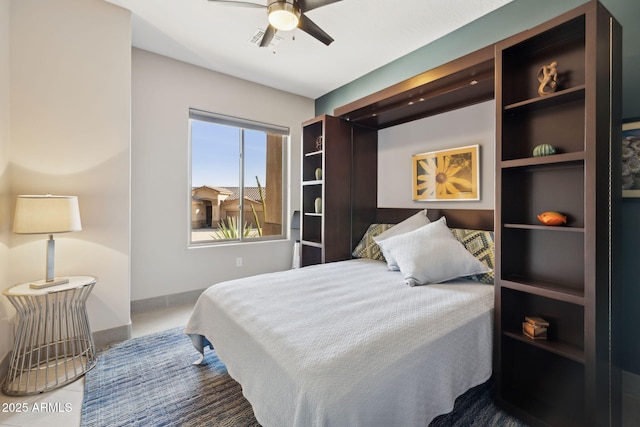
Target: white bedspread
[[348, 344]]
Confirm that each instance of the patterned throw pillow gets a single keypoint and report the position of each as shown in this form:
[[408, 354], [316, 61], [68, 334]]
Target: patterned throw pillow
[[479, 243], [368, 248]]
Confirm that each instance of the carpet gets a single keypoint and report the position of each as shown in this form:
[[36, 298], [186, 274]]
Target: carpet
[[150, 381]]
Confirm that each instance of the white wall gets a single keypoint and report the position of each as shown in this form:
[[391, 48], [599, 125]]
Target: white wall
[[163, 90], [70, 90], [466, 126], [6, 310]]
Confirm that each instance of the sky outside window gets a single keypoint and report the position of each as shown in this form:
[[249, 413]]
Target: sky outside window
[[215, 155]]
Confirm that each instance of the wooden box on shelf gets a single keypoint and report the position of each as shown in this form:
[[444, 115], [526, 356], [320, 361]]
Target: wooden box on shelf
[[535, 328]]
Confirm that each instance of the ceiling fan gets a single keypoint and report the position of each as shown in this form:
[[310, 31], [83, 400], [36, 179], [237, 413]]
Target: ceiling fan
[[285, 15]]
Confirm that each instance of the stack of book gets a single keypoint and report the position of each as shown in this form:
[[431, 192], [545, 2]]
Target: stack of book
[[535, 328]]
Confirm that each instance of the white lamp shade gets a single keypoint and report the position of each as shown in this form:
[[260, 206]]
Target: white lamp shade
[[46, 214]]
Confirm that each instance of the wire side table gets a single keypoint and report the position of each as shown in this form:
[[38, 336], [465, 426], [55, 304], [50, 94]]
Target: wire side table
[[53, 344]]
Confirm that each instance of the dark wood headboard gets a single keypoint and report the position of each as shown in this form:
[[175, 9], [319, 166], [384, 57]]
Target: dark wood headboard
[[475, 219]]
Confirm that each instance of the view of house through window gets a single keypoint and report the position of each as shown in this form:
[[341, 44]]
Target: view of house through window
[[236, 178]]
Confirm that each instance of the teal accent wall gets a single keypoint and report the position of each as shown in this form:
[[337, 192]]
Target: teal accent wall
[[510, 19]]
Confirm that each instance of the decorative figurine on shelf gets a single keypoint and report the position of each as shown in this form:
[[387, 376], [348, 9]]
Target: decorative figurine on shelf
[[552, 218], [544, 150], [319, 143], [318, 205], [548, 78], [318, 174]]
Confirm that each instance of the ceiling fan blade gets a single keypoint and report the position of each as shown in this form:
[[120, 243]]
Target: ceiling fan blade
[[240, 3], [269, 33], [306, 5], [309, 27]]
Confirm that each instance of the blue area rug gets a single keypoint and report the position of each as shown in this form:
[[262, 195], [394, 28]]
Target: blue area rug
[[150, 381]]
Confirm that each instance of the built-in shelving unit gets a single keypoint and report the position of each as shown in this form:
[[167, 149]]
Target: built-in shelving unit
[[564, 274], [345, 155]]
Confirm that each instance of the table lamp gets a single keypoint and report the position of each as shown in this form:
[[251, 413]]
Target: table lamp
[[47, 214]]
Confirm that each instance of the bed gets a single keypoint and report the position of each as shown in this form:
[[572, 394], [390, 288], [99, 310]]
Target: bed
[[349, 343]]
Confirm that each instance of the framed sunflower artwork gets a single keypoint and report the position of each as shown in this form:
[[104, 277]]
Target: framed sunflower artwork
[[631, 157], [451, 174]]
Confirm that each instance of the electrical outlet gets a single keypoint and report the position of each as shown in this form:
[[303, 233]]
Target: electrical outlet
[[239, 262]]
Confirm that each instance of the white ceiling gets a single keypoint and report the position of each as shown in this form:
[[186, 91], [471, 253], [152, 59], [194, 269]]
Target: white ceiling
[[367, 33]]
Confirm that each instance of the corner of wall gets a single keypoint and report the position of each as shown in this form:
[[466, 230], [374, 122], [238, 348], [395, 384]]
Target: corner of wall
[[6, 311]]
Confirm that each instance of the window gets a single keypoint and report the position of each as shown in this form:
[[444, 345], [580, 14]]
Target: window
[[237, 189]]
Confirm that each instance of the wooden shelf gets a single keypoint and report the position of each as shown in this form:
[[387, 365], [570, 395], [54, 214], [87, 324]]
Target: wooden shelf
[[550, 100], [558, 228], [568, 351], [547, 290], [561, 160]]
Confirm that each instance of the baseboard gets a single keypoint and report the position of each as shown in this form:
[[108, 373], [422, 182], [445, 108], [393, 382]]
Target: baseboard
[[123, 333], [109, 336], [148, 304], [631, 384]]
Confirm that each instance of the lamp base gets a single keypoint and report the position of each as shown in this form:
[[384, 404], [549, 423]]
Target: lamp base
[[40, 284]]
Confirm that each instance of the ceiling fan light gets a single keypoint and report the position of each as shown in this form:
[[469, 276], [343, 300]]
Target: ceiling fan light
[[283, 16]]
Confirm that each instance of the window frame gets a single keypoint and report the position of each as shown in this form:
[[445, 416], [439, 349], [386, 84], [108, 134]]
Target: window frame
[[242, 125]]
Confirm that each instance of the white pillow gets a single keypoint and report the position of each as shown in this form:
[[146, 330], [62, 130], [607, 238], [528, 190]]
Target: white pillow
[[410, 224], [431, 254]]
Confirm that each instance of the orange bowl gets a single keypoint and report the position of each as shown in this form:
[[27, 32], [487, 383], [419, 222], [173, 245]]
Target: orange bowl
[[552, 218]]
